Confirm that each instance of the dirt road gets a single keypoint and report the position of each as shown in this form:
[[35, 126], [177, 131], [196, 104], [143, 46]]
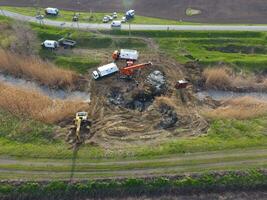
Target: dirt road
[[139, 26], [212, 11], [11, 168]]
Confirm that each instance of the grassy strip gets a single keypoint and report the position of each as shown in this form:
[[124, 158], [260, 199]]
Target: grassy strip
[[251, 179], [93, 17], [135, 166]]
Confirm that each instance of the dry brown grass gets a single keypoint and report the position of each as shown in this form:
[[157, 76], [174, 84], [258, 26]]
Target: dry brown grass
[[32, 104], [239, 108], [217, 78], [35, 69], [224, 78]]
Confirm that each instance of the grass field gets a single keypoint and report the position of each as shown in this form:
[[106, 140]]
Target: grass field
[[92, 17], [241, 50], [30, 140]]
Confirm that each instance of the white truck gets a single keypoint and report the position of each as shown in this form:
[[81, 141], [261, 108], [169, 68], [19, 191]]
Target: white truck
[[125, 54], [130, 14], [51, 11], [51, 44], [105, 70]]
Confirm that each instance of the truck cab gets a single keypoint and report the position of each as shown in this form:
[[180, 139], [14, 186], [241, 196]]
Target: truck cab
[[95, 75], [52, 44]]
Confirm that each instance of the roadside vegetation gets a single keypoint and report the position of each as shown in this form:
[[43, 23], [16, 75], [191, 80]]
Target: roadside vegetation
[[136, 187], [91, 17]]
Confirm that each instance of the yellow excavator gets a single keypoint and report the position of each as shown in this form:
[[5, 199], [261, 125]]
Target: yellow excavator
[[81, 123]]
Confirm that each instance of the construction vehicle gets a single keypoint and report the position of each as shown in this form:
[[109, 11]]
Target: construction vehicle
[[105, 70], [80, 130], [129, 71], [181, 84], [125, 54]]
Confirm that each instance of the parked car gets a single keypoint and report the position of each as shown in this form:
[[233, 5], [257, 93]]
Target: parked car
[[114, 15], [116, 24], [123, 20], [105, 19]]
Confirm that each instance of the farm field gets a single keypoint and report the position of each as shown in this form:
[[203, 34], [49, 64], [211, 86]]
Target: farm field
[[211, 11], [135, 132]]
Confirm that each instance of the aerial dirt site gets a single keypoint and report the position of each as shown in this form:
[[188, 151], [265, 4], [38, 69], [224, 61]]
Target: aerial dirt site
[[133, 100]]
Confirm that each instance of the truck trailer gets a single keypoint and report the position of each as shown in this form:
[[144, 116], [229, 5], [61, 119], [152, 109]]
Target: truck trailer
[[125, 54], [105, 70]]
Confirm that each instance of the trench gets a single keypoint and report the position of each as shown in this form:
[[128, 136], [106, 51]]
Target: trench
[[45, 90], [223, 95]]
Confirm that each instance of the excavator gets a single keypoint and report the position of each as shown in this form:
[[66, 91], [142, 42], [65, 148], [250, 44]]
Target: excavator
[[80, 130], [129, 70]]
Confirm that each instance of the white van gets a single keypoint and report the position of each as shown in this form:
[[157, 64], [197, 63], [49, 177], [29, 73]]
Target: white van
[[52, 44], [116, 24], [51, 11]]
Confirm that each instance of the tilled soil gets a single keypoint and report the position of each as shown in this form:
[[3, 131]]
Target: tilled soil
[[212, 11]]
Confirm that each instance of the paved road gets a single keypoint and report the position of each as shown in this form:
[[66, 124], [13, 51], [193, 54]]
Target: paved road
[[139, 26]]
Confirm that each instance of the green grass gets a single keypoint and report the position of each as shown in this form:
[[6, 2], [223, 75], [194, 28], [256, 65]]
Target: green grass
[[222, 135], [232, 180], [93, 17]]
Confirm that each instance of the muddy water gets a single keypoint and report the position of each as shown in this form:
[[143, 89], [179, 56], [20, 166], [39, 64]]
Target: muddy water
[[52, 93], [222, 95]]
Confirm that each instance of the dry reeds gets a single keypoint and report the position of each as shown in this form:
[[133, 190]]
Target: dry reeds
[[239, 108], [35, 69], [217, 78], [224, 78], [32, 104]]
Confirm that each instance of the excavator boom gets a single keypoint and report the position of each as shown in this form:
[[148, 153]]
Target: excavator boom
[[129, 71]]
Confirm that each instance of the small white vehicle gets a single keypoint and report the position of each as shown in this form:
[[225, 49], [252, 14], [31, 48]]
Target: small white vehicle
[[105, 19], [105, 71], [51, 44], [51, 11], [116, 24], [130, 14], [114, 15], [125, 54], [123, 20], [110, 17]]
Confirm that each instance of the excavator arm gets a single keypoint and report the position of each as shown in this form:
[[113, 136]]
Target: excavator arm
[[129, 71]]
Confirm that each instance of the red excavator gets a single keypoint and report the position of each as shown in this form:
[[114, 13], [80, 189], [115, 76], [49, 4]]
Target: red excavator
[[129, 71]]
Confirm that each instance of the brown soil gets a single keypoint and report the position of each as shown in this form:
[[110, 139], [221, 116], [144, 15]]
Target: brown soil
[[212, 11]]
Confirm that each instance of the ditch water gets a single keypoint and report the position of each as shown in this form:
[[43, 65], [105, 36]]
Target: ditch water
[[222, 95], [52, 93]]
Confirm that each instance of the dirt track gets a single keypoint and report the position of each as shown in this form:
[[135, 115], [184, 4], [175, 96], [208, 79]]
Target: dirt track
[[213, 11]]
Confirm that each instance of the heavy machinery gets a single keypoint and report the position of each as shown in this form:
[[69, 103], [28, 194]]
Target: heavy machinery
[[81, 129], [129, 71], [125, 54]]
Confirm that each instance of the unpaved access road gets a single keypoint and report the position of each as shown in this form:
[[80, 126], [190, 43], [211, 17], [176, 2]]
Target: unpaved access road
[[13, 169], [90, 26]]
